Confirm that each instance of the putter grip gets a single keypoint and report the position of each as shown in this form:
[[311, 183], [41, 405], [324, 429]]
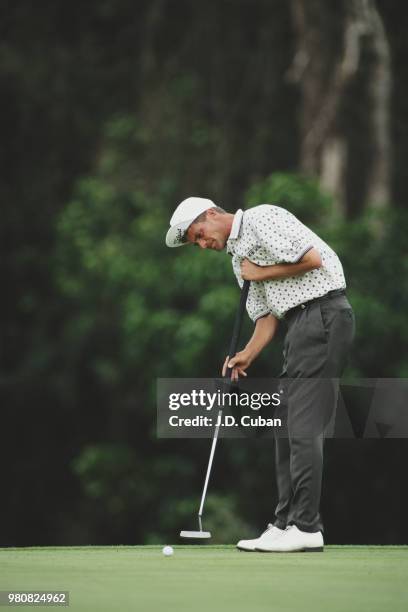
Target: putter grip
[[237, 323]]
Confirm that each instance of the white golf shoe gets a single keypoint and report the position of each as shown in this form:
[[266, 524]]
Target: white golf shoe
[[293, 540], [266, 539]]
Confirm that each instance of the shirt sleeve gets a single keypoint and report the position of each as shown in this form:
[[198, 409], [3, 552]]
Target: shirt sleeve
[[256, 304], [282, 235]]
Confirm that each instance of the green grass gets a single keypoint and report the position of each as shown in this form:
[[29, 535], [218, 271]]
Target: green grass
[[212, 578]]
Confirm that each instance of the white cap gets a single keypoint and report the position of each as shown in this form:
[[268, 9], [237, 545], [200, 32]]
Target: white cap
[[182, 218]]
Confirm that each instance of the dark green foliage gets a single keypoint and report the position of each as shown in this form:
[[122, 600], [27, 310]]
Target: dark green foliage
[[112, 113], [298, 194], [164, 312]]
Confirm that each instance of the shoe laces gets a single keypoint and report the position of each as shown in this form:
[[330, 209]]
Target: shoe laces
[[269, 527]]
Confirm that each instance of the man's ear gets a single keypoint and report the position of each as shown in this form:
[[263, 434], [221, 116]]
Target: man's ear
[[211, 212]]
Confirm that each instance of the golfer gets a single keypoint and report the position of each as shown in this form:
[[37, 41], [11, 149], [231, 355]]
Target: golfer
[[296, 278]]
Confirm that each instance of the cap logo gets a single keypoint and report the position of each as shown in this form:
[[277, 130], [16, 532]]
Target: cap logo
[[180, 235]]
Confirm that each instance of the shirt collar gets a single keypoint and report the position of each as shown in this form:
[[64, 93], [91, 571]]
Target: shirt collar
[[235, 229]]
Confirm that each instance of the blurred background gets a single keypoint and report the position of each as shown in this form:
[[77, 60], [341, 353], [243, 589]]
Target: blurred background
[[112, 112]]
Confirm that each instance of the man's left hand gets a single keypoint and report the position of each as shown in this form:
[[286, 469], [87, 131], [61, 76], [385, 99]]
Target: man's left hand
[[251, 272]]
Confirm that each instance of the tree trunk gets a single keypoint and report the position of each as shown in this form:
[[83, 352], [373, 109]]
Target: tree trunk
[[342, 65]]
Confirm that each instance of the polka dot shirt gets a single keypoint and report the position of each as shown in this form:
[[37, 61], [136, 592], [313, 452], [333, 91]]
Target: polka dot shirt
[[267, 235]]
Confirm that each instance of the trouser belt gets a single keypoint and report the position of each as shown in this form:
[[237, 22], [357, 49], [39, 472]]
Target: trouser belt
[[329, 295]]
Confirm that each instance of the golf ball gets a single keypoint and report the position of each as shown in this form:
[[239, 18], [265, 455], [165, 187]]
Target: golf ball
[[168, 551]]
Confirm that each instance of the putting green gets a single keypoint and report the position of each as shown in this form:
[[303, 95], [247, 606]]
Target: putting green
[[215, 578]]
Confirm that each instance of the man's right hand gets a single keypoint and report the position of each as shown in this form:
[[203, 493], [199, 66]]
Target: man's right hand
[[239, 363]]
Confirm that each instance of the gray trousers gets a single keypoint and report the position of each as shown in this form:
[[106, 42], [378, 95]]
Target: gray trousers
[[315, 351]]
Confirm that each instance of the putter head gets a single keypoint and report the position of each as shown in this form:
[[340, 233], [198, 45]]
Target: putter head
[[199, 535]]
